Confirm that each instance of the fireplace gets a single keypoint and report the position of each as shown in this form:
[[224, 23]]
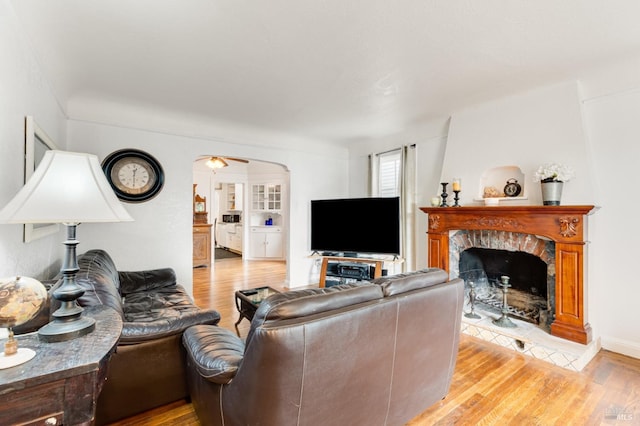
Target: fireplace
[[553, 234], [484, 257]]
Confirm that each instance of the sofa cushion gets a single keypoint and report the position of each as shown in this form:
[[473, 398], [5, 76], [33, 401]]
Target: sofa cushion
[[153, 279], [98, 277], [402, 283], [162, 312], [215, 352], [301, 303]]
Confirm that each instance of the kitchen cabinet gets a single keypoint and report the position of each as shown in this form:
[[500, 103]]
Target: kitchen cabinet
[[266, 242], [229, 236], [266, 196], [234, 196]]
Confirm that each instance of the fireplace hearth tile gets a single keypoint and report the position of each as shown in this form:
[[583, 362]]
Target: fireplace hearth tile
[[530, 340]]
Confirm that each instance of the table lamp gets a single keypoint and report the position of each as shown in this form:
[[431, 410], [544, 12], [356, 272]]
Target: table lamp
[[68, 188]]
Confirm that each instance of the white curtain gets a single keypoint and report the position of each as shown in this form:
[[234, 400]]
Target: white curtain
[[408, 207]]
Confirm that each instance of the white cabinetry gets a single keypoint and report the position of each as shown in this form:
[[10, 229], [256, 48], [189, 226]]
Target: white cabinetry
[[266, 242], [234, 197], [234, 239], [266, 197], [230, 236]]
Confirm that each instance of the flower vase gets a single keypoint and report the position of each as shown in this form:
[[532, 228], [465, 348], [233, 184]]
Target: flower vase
[[551, 193]]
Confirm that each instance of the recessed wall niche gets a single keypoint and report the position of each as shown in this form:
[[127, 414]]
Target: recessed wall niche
[[495, 179]]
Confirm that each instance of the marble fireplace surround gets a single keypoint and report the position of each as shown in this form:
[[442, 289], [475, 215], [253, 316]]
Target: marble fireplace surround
[[564, 225]]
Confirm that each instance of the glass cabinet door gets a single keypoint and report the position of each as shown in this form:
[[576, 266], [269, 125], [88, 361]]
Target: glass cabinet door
[[274, 198], [257, 197], [266, 197]]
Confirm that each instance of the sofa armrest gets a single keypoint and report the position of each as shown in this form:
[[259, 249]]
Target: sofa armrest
[[216, 352], [153, 279]]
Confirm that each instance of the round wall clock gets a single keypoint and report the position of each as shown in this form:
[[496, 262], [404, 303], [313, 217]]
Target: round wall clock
[[134, 175]]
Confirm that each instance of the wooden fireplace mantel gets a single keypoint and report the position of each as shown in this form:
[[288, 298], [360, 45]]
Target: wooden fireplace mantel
[[565, 225]]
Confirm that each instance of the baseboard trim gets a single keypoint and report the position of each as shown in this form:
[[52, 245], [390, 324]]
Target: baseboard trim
[[621, 346]]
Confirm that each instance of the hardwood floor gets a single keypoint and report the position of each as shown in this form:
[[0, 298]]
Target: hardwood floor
[[491, 385]]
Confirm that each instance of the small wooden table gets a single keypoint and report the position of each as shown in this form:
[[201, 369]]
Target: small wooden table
[[61, 384], [248, 301]]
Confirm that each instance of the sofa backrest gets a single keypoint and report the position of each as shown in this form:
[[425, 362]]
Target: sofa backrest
[[305, 302], [402, 283], [98, 276], [386, 357]]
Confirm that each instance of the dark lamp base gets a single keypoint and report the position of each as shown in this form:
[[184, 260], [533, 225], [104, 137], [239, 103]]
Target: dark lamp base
[[61, 331]]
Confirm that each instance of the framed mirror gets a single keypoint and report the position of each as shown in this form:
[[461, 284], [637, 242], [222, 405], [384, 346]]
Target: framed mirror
[[36, 143]]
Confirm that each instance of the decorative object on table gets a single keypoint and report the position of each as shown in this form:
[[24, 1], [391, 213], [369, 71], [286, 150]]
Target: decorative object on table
[[435, 201], [134, 175], [512, 188], [21, 299], [472, 301], [491, 192], [504, 320], [552, 177], [444, 194], [68, 188], [456, 186], [200, 215]]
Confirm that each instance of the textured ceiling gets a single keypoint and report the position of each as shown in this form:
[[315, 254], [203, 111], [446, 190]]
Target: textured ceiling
[[336, 70]]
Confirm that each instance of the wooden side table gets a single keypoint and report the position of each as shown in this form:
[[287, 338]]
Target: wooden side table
[[61, 384]]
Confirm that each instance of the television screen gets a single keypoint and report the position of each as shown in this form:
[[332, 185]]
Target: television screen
[[356, 225]]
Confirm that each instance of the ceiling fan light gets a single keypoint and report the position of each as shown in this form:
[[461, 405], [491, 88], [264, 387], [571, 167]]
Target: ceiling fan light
[[216, 163]]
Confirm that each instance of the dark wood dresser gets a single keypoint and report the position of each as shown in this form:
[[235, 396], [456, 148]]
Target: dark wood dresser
[[61, 384]]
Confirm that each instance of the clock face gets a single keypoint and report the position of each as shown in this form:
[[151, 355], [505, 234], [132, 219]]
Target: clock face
[[512, 189], [134, 175]]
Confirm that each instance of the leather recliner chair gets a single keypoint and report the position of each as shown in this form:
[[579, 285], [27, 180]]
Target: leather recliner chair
[[357, 354], [147, 369]]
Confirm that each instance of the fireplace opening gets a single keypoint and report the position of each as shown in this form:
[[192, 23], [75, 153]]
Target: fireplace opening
[[528, 297]]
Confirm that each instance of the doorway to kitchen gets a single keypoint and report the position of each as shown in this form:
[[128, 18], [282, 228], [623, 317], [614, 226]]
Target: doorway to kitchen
[[241, 196]]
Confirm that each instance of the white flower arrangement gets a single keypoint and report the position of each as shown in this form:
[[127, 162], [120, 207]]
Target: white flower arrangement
[[554, 172]]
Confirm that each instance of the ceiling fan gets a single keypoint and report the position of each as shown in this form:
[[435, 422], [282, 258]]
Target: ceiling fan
[[214, 162]]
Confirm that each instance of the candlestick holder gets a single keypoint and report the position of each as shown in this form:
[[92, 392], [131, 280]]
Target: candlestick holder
[[504, 320], [472, 301], [444, 194], [456, 198]]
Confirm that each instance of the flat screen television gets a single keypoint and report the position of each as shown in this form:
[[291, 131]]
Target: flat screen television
[[356, 225]]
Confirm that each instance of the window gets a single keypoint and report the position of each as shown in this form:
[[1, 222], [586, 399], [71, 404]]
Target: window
[[389, 174]]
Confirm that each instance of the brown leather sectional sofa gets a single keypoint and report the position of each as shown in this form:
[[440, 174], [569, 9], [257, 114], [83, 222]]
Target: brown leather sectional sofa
[[374, 353], [148, 368]]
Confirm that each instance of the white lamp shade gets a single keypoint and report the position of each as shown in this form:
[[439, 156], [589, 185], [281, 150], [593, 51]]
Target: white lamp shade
[[66, 187]]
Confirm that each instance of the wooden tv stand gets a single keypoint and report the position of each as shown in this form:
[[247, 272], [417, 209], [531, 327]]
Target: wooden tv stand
[[327, 260]]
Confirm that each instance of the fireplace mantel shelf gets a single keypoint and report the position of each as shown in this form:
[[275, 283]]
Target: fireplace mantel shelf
[[565, 225], [558, 223]]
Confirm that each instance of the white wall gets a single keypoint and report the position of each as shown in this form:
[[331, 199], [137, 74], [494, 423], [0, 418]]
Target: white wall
[[525, 130], [23, 91], [161, 234], [613, 125]]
